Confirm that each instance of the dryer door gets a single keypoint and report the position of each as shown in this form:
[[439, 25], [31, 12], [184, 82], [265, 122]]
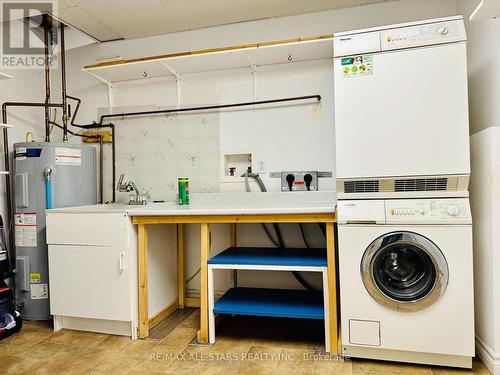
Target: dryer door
[[404, 271]]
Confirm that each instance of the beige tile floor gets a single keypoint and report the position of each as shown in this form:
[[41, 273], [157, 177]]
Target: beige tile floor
[[244, 346]]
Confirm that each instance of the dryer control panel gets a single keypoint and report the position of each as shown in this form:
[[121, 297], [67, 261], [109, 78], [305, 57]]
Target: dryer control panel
[[428, 211]]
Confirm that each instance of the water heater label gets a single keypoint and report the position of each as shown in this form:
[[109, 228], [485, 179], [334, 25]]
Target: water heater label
[[20, 153], [39, 291], [68, 156], [25, 232]]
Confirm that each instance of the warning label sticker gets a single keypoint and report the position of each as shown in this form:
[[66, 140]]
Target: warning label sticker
[[39, 291], [68, 156], [357, 66], [35, 277], [20, 153], [25, 229]]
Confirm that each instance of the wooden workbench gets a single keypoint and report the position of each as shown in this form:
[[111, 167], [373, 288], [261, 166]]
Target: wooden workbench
[[206, 209]]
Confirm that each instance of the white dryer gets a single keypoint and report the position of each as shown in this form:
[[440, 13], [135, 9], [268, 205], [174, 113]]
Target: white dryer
[[401, 109], [406, 283]]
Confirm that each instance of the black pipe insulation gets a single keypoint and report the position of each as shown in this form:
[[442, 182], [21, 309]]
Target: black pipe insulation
[[47, 76], [63, 86], [208, 107]]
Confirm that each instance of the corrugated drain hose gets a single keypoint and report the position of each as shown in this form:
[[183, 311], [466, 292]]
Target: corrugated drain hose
[[279, 243]]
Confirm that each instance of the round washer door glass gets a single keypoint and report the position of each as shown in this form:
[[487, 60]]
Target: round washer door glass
[[404, 271]]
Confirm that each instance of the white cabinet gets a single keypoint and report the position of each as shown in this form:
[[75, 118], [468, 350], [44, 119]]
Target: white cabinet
[[93, 271], [90, 282]]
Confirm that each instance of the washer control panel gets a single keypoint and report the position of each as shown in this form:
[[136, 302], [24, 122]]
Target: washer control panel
[[428, 210]]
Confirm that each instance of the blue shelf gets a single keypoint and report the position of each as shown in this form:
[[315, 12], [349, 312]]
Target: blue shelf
[[271, 256], [283, 303]]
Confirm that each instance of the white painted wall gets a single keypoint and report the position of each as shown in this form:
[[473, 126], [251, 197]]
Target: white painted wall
[[483, 68], [270, 133]]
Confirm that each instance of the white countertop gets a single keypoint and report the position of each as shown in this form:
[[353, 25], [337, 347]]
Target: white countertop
[[225, 204]]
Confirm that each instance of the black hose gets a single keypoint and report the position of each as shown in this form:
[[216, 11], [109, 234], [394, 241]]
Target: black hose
[[322, 227], [301, 226], [275, 243]]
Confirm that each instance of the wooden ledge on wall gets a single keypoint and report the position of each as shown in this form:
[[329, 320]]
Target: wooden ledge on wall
[[105, 134]]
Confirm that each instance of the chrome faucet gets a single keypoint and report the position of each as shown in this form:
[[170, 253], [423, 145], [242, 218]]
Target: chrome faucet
[[128, 187]]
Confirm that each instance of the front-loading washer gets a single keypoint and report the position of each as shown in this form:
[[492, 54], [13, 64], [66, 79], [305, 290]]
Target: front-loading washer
[[406, 282]]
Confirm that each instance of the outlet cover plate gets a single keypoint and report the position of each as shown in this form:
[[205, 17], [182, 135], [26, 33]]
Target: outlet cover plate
[[299, 183]]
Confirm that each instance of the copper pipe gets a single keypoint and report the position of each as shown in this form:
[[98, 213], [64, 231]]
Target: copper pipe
[[10, 215], [63, 86], [29, 104], [47, 77]]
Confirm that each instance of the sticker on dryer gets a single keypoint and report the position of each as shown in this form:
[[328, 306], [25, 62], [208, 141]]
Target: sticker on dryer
[[25, 229], [357, 66], [68, 156], [39, 291]]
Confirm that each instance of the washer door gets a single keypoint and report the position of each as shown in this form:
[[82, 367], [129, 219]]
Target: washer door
[[404, 271]]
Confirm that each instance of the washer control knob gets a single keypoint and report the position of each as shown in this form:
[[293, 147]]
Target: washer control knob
[[453, 210], [442, 30]]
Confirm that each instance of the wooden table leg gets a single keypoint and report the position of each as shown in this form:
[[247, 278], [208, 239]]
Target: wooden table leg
[[232, 234], [143, 281], [332, 288], [204, 251], [180, 260]]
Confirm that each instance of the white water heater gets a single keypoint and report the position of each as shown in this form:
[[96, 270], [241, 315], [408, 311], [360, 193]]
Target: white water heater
[[46, 175]]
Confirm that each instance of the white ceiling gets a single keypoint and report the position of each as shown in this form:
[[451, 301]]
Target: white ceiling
[[129, 19]]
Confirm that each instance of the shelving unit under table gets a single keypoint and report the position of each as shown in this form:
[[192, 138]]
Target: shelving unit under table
[[283, 303]]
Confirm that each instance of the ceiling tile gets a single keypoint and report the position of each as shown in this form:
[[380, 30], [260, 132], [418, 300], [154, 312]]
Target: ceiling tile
[[289, 7], [61, 4], [79, 19], [135, 19], [217, 12]]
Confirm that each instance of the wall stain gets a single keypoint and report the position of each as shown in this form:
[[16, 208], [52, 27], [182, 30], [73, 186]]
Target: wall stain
[[131, 160], [191, 159], [171, 116]]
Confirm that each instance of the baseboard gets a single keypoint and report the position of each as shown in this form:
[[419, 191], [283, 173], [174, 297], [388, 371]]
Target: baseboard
[[163, 313], [191, 302], [407, 356], [113, 327], [488, 356]]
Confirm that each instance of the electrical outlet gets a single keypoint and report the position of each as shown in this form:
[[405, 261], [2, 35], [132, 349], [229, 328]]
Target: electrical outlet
[[298, 180], [261, 166]]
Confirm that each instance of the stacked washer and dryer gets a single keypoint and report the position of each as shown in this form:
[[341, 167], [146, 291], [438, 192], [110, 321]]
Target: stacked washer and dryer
[[404, 222]]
